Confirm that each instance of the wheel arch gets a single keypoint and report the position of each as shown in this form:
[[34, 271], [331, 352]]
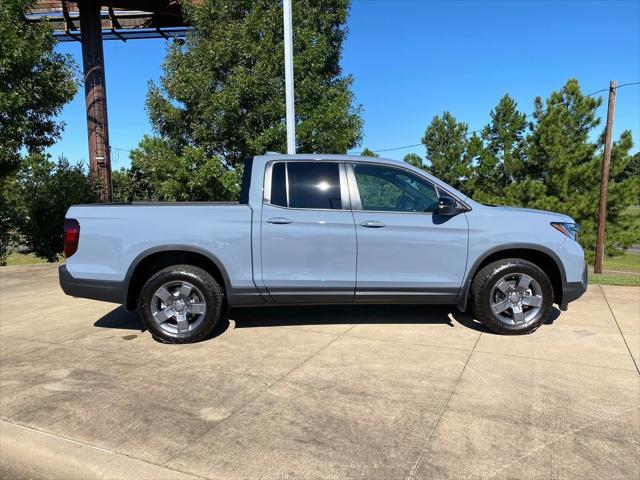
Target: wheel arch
[[539, 255], [155, 259]]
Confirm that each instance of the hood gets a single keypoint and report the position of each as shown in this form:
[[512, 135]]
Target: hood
[[558, 217]]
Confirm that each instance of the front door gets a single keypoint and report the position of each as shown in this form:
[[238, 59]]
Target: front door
[[308, 239], [405, 252]]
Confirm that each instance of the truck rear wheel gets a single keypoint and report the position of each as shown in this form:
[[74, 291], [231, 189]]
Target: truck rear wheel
[[511, 296], [180, 304]]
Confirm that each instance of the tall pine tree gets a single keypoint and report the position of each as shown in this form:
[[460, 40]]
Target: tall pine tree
[[446, 144], [501, 156]]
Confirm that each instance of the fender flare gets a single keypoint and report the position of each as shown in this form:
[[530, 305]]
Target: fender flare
[[173, 248]]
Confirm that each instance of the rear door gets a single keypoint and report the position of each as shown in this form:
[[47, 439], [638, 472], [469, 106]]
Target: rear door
[[308, 239], [405, 252]]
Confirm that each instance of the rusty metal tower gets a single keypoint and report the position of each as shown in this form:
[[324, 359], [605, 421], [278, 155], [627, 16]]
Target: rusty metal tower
[[90, 22]]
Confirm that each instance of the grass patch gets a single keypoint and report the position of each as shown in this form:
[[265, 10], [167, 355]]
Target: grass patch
[[627, 262], [16, 258], [622, 270], [611, 279]]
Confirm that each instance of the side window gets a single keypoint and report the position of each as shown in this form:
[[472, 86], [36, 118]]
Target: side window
[[279, 184], [391, 189], [246, 181], [311, 185], [314, 185]]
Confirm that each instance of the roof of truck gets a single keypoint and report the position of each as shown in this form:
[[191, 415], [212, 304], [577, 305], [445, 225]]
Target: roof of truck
[[324, 156]]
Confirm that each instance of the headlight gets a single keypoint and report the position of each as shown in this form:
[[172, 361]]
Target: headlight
[[569, 229]]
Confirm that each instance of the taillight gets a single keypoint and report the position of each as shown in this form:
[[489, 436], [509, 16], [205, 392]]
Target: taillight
[[71, 236]]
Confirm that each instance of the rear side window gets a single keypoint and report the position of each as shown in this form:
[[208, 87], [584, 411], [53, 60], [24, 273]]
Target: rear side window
[[310, 185], [279, 185], [246, 181]]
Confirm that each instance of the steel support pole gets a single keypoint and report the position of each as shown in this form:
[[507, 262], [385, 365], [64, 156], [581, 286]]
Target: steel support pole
[[95, 95], [288, 77]]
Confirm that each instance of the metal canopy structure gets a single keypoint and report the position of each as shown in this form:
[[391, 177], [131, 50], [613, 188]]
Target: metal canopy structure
[[120, 20], [90, 22]]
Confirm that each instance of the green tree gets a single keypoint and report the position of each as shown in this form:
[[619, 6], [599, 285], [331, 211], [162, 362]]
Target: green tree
[[632, 169], [222, 91], [35, 82], [46, 190], [122, 185], [445, 140], [504, 139], [413, 159], [623, 224], [500, 151], [9, 205], [368, 153], [157, 173]]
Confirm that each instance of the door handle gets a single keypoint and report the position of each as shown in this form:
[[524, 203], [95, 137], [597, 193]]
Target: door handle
[[372, 224], [279, 220]]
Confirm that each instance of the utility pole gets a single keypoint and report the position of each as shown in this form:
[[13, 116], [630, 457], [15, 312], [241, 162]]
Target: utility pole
[[604, 180], [95, 95], [288, 77]]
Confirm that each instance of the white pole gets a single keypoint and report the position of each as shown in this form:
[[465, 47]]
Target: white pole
[[288, 77]]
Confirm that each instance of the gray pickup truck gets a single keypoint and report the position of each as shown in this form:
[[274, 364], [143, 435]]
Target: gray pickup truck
[[323, 229]]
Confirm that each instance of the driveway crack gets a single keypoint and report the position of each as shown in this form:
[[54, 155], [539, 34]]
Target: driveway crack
[[619, 329], [414, 469]]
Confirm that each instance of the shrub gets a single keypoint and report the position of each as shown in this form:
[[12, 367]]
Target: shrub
[[46, 190]]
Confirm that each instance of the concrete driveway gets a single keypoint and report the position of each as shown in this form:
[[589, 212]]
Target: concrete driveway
[[362, 392]]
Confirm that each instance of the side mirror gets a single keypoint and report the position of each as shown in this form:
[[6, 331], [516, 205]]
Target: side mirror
[[447, 206]]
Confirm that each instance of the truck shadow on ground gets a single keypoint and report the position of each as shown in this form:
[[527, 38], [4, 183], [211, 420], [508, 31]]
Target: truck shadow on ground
[[119, 318]]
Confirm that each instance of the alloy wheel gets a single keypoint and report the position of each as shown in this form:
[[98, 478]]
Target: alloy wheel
[[516, 299], [178, 307]]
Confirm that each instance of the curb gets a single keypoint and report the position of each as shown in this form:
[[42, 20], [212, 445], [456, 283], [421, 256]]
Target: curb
[[29, 453]]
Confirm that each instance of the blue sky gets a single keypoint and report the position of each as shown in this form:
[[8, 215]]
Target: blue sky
[[412, 60]]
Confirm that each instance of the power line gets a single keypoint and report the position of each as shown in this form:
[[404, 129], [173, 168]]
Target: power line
[[478, 131], [623, 85], [397, 148]]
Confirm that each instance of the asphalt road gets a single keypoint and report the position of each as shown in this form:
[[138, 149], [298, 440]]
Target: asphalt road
[[335, 392]]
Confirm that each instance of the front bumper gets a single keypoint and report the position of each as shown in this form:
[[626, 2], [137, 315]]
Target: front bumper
[[103, 290], [573, 290]]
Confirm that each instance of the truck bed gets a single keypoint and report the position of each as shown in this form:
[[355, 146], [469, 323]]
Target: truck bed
[[113, 236]]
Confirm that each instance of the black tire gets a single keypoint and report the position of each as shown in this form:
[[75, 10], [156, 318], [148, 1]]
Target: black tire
[[197, 277], [488, 278]]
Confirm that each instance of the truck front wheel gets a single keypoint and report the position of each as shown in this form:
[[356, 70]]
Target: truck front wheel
[[512, 296], [180, 304]]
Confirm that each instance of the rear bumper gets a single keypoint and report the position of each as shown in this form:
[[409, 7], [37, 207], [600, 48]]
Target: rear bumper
[[105, 291], [573, 290]]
